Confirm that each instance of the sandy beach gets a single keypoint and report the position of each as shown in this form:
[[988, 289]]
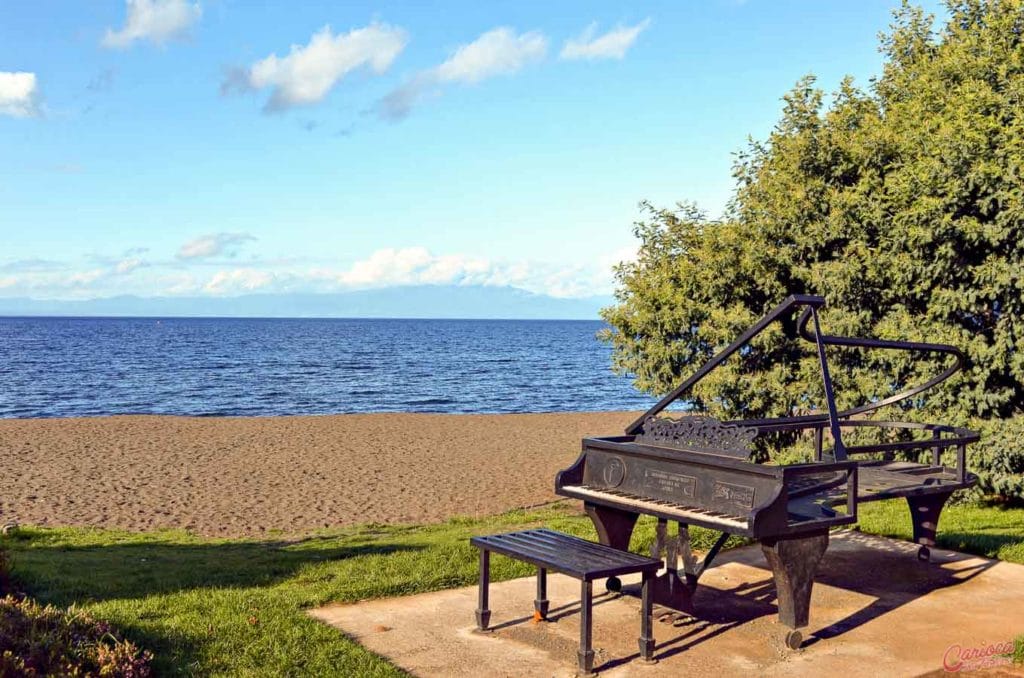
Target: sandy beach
[[229, 476]]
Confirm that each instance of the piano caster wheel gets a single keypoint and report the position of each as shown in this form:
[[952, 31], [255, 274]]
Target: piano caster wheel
[[613, 585], [794, 639], [924, 554]]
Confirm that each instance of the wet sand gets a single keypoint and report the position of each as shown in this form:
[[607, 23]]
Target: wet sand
[[240, 476]]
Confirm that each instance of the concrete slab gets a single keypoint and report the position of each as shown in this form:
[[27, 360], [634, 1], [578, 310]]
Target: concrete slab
[[875, 611]]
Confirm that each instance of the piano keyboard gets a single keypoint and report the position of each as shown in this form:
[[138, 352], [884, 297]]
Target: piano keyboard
[[680, 512]]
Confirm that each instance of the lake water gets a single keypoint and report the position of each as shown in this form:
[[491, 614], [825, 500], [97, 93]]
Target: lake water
[[63, 367]]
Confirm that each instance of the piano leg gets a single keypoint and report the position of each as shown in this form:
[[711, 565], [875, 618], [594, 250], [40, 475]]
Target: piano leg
[[793, 563], [686, 554], [614, 528], [668, 589], [924, 513]]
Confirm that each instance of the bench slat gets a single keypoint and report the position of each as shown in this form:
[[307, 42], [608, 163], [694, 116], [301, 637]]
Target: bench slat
[[557, 547], [533, 549], [565, 559], [578, 558]]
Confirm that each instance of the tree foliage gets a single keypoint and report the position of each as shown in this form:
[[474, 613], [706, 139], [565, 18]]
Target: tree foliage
[[901, 203]]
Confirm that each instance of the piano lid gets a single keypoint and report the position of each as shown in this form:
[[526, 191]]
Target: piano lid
[[810, 305]]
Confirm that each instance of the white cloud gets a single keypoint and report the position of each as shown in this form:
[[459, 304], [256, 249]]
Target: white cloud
[[34, 265], [418, 266], [19, 94], [389, 267], [214, 244], [411, 266], [310, 71], [86, 278], [497, 52], [155, 20], [611, 45], [178, 283], [56, 278], [238, 280], [126, 266]]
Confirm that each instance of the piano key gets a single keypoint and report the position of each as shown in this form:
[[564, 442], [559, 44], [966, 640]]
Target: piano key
[[682, 513]]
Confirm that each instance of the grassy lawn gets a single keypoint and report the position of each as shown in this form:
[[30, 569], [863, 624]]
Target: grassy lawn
[[235, 607], [989, 531]]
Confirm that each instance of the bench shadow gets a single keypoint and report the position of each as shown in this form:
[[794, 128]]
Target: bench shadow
[[557, 613]]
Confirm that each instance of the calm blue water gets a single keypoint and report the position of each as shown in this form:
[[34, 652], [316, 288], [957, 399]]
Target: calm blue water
[[62, 367]]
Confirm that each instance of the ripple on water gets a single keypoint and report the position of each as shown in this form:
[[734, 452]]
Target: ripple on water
[[58, 367]]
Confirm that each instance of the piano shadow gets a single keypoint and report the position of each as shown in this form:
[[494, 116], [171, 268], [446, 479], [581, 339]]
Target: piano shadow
[[851, 564], [718, 611], [905, 577]]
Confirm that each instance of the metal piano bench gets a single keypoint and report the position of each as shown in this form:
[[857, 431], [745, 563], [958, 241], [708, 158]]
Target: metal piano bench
[[574, 557]]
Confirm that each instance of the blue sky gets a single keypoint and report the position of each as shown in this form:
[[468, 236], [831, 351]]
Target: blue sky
[[162, 147]]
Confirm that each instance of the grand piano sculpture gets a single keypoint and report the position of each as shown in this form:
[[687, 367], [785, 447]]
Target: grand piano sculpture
[[695, 470]]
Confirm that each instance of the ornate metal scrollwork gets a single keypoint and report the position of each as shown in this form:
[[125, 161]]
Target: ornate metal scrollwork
[[698, 433]]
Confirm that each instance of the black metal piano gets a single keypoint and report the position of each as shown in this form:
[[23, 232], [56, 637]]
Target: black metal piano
[[695, 470]]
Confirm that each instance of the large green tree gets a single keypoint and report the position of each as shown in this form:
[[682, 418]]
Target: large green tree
[[902, 204]]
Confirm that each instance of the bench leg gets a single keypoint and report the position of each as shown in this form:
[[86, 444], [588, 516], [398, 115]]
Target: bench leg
[[483, 613], [540, 605], [646, 635], [586, 653]]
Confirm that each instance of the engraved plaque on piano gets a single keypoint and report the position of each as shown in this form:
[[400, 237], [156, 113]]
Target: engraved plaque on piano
[[741, 495], [614, 472], [671, 484]]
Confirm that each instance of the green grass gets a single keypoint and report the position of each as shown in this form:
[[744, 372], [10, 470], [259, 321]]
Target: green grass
[[990, 531], [236, 607], [233, 607]]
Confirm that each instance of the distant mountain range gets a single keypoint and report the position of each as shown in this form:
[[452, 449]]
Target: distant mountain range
[[424, 301]]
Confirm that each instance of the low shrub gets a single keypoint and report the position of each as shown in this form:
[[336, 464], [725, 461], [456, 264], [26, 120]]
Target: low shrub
[[998, 458], [5, 571], [37, 640]]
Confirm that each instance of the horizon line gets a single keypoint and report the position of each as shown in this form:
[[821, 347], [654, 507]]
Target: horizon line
[[277, 317]]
